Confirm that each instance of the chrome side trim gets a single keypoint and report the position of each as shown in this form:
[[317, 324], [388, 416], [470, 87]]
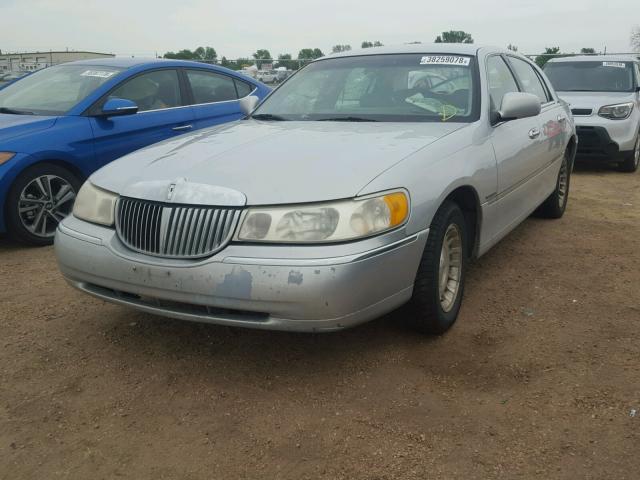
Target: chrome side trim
[[495, 197], [198, 104]]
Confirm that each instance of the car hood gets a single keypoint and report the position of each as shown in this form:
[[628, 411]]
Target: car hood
[[595, 100], [12, 126], [268, 162]]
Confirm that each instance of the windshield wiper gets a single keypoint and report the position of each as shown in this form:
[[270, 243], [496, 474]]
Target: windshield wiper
[[15, 112], [346, 119], [268, 116]]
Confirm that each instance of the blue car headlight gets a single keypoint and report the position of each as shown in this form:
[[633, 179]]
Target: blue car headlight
[[6, 156]]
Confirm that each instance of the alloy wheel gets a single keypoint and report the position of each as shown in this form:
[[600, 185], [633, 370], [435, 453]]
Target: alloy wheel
[[450, 267], [44, 202], [563, 183]]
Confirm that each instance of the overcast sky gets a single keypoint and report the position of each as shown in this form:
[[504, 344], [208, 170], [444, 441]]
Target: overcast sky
[[238, 27]]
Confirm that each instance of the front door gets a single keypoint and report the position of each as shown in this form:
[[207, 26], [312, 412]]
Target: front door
[[161, 115], [554, 122], [519, 148]]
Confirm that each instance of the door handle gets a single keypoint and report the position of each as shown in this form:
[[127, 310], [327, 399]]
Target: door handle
[[562, 118], [534, 133], [182, 127]]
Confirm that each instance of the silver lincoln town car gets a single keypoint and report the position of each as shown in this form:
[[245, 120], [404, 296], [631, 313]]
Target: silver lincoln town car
[[366, 181]]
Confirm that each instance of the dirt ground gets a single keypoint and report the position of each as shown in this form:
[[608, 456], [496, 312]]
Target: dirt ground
[[538, 379]]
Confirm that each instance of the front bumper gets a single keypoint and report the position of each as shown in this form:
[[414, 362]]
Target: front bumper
[[604, 139], [596, 142], [303, 288]]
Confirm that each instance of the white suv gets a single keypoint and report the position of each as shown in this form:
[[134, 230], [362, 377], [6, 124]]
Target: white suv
[[604, 94]]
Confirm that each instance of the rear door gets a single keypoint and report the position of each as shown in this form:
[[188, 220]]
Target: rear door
[[519, 149], [215, 96], [162, 113]]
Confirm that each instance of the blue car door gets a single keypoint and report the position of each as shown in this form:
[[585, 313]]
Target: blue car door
[[215, 96], [161, 114]]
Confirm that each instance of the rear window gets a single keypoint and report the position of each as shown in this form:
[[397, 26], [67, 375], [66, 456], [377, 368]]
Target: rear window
[[600, 76], [243, 88]]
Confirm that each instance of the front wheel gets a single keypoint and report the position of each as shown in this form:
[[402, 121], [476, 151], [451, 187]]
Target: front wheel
[[38, 200], [437, 291], [632, 161]]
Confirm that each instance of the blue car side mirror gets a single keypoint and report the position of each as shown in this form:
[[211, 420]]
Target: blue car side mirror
[[115, 107]]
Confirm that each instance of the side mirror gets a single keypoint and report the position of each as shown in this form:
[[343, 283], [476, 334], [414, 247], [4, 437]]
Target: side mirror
[[116, 107], [518, 105], [249, 104]]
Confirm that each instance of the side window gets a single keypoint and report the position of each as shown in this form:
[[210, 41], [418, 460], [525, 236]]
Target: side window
[[209, 87], [529, 79], [637, 75], [151, 91], [500, 80], [243, 88]]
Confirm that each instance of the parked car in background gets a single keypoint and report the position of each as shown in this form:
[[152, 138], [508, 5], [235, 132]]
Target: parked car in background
[[267, 76], [282, 74], [60, 124], [604, 94], [345, 194], [10, 77]]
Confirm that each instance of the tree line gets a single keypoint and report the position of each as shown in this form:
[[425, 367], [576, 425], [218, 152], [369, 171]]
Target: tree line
[[262, 56]]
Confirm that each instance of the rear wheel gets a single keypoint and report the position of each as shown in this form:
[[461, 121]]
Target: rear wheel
[[437, 291], [631, 163], [38, 200], [556, 203]]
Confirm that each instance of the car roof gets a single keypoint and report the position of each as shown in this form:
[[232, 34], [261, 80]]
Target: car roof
[[127, 62], [450, 48], [595, 58]]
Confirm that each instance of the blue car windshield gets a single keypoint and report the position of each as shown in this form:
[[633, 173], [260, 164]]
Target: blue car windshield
[[379, 88], [54, 90]]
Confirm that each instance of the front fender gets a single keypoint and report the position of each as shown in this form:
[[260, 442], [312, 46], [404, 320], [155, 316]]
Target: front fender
[[8, 173], [10, 170], [465, 158]]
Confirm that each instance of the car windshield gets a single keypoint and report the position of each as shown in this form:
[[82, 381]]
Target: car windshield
[[54, 90], [383, 88], [608, 76]]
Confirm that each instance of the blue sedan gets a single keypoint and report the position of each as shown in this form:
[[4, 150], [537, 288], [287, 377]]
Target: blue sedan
[[60, 124]]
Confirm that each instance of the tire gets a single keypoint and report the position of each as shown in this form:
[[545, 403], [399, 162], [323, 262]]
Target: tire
[[556, 203], [632, 161], [429, 311], [38, 200]]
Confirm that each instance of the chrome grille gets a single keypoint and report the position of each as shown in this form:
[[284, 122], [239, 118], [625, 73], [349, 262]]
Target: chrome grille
[[175, 231]]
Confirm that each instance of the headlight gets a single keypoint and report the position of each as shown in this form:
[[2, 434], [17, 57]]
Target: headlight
[[616, 112], [6, 156], [325, 222], [95, 205]]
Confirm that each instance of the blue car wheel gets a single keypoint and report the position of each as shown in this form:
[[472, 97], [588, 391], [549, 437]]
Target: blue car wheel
[[38, 200]]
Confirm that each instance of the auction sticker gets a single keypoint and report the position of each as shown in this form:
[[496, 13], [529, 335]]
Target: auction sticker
[[445, 60], [614, 64], [97, 73]]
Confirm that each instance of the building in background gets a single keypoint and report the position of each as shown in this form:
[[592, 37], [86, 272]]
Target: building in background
[[30, 61]]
